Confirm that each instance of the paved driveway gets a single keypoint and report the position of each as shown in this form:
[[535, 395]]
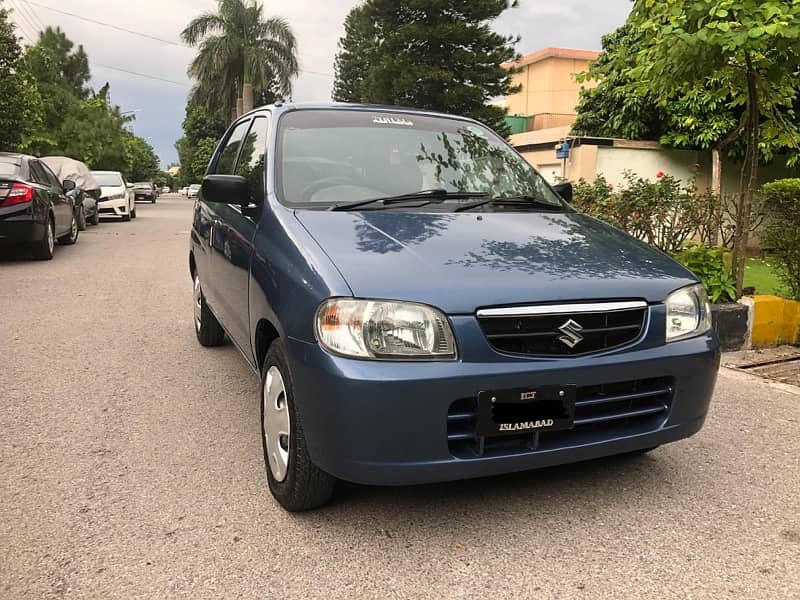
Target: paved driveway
[[130, 467]]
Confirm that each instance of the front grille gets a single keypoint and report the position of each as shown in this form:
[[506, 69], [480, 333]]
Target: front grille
[[564, 333], [602, 413]]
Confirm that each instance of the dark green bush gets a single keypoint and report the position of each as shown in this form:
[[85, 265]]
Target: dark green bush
[[709, 266], [781, 202]]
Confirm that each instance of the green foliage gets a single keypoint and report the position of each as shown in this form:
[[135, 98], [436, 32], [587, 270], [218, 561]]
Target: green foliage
[[21, 107], [74, 121], [202, 129], [782, 232], [239, 46], [665, 213], [709, 265], [431, 54]]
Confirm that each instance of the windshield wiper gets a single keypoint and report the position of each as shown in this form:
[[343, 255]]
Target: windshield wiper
[[520, 201], [429, 196]]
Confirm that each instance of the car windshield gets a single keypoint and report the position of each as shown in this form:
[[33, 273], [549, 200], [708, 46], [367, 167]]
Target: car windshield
[[194, 186], [108, 179], [327, 157], [145, 186]]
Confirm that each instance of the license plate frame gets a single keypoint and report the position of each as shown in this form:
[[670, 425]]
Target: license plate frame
[[526, 410]]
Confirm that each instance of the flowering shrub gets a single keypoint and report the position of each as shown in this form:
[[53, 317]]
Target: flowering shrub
[[664, 213]]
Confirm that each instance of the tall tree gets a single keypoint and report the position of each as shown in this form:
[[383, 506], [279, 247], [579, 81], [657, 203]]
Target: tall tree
[[21, 107], [432, 54], [201, 132], [750, 45], [240, 50]]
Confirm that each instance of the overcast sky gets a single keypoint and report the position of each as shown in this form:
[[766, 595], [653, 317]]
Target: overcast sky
[[317, 25]]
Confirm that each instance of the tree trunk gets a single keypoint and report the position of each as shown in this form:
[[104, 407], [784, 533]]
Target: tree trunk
[[716, 179], [239, 112], [750, 176], [233, 115], [247, 97]]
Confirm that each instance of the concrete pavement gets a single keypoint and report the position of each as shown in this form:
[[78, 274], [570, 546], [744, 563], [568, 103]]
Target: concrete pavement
[[130, 467]]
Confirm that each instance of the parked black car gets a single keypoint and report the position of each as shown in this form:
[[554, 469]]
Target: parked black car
[[144, 191], [34, 207]]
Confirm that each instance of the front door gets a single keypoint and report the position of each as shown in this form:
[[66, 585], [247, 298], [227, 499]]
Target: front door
[[234, 234]]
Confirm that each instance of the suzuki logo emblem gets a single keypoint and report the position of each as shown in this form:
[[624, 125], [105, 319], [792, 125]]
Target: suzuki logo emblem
[[572, 334]]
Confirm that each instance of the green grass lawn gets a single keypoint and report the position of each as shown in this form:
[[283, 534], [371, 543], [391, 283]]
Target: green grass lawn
[[760, 274]]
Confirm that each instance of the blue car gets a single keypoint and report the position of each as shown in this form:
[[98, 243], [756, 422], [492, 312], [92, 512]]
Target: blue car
[[421, 305]]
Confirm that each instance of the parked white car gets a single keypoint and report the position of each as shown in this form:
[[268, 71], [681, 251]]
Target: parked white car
[[194, 190], [116, 195], [165, 190], [183, 191]]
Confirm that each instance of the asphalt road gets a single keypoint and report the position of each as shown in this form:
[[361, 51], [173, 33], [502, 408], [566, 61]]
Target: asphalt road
[[130, 467]]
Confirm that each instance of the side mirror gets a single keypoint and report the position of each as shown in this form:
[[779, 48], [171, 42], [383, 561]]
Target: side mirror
[[68, 185], [225, 189], [564, 189]]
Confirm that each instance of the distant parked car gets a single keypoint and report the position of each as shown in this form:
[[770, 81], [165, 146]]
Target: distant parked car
[[144, 191], [86, 192], [34, 207], [183, 191], [116, 195], [194, 190], [165, 190]]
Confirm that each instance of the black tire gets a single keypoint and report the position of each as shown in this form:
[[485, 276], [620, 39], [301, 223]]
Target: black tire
[[153, 201], [82, 219], [72, 236], [95, 219], [209, 332], [126, 217], [305, 486], [43, 249], [133, 214]]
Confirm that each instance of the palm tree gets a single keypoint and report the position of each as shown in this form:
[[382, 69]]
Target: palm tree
[[240, 50]]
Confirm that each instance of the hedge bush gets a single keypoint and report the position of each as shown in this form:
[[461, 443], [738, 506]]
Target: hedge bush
[[781, 201]]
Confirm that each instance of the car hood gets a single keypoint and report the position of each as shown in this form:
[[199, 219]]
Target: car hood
[[463, 261], [112, 190]]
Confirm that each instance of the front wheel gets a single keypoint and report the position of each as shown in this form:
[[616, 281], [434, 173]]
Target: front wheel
[[133, 214], [81, 219], [72, 236], [95, 220], [294, 480]]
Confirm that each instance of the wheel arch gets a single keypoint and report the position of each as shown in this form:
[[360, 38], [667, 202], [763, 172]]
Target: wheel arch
[[266, 333]]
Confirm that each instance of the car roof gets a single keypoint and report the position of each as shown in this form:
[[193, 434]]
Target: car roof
[[281, 107], [108, 172]]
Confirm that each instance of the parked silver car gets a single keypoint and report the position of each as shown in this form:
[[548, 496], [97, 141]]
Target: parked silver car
[[86, 192]]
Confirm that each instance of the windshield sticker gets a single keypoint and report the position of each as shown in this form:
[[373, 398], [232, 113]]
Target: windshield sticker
[[392, 121]]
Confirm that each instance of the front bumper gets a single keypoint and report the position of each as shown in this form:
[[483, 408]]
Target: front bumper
[[118, 207], [386, 423]]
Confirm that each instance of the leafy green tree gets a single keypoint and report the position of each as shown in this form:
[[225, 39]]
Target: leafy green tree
[[202, 156], [239, 50], [199, 126], [21, 107], [751, 45], [141, 161], [432, 54]]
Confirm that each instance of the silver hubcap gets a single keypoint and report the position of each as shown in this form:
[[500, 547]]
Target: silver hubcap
[[198, 299], [276, 424], [51, 241], [74, 229]]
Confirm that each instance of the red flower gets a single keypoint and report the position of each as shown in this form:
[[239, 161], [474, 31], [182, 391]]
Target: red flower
[[610, 187], [636, 215], [660, 175]]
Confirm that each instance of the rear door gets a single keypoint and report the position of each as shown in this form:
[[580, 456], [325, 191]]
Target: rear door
[[61, 212], [62, 205], [233, 243]]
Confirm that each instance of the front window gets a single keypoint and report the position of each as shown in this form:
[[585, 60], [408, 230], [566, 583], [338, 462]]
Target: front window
[[143, 186], [327, 157], [108, 179]]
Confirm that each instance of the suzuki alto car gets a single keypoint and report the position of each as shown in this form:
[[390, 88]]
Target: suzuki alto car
[[422, 306]]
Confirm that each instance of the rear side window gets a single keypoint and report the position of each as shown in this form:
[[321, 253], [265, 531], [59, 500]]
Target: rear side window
[[52, 180], [37, 173], [228, 155], [252, 158]]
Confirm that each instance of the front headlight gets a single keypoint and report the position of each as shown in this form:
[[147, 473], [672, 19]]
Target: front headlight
[[377, 329], [688, 313]]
